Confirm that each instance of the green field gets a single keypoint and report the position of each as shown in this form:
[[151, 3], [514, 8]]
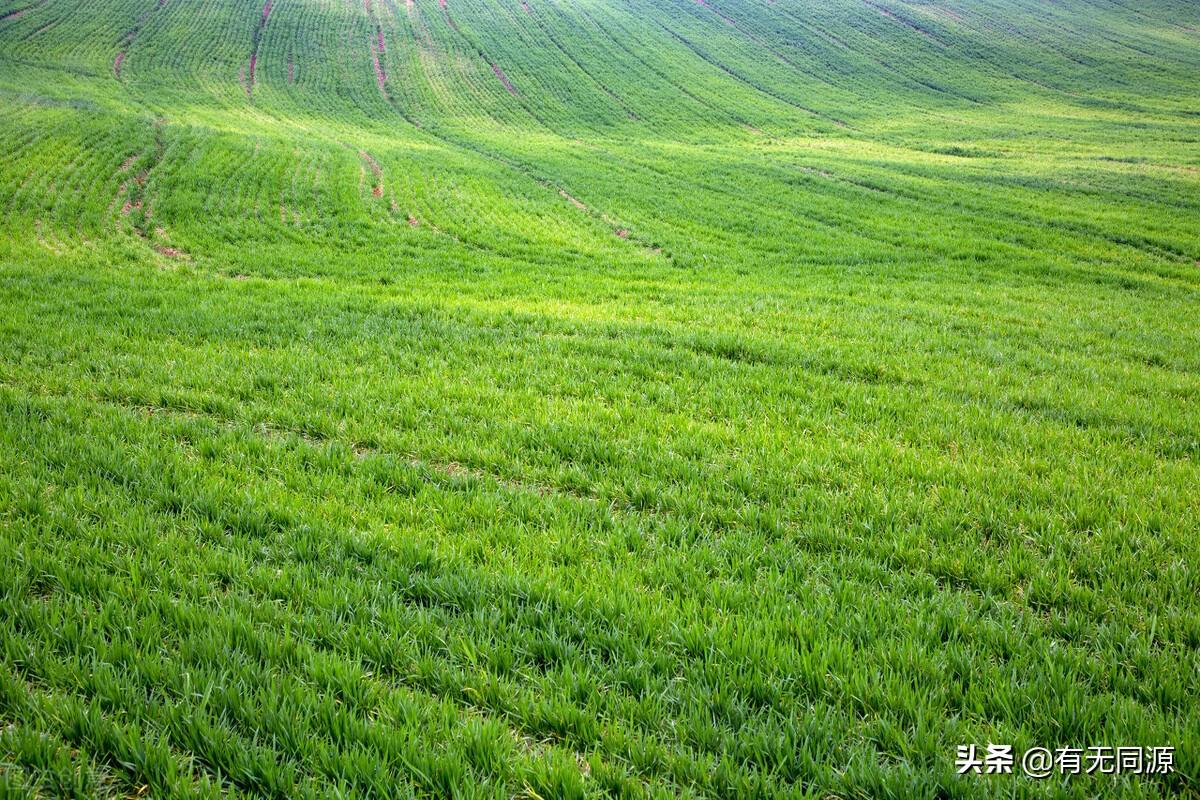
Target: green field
[[578, 398]]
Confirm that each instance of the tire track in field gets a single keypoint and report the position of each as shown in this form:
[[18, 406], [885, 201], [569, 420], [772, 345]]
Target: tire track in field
[[995, 63], [746, 81], [566, 54], [376, 173], [137, 203], [905, 21], [20, 12], [255, 41], [463, 143], [618, 43], [378, 50], [496, 69], [764, 45], [546, 182], [866, 52], [512, 89], [130, 35]]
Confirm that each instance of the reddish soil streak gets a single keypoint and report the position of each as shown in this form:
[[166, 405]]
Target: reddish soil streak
[[20, 12], [503, 79], [120, 59], [621, 232], [376, 170], [371, 162], [380, 75], [724, 18], [413, 221], [525, 6], [262, 23], [379, 41], [291, 72]]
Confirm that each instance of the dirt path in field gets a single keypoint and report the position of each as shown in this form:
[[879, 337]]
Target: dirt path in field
[[575, 202]]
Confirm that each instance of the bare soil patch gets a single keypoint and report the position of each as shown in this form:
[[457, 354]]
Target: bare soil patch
[[170, 252]]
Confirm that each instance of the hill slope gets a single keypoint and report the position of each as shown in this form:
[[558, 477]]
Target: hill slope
[[703, 397]]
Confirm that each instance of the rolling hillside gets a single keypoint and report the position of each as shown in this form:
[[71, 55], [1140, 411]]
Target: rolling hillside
[[576, 398]]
